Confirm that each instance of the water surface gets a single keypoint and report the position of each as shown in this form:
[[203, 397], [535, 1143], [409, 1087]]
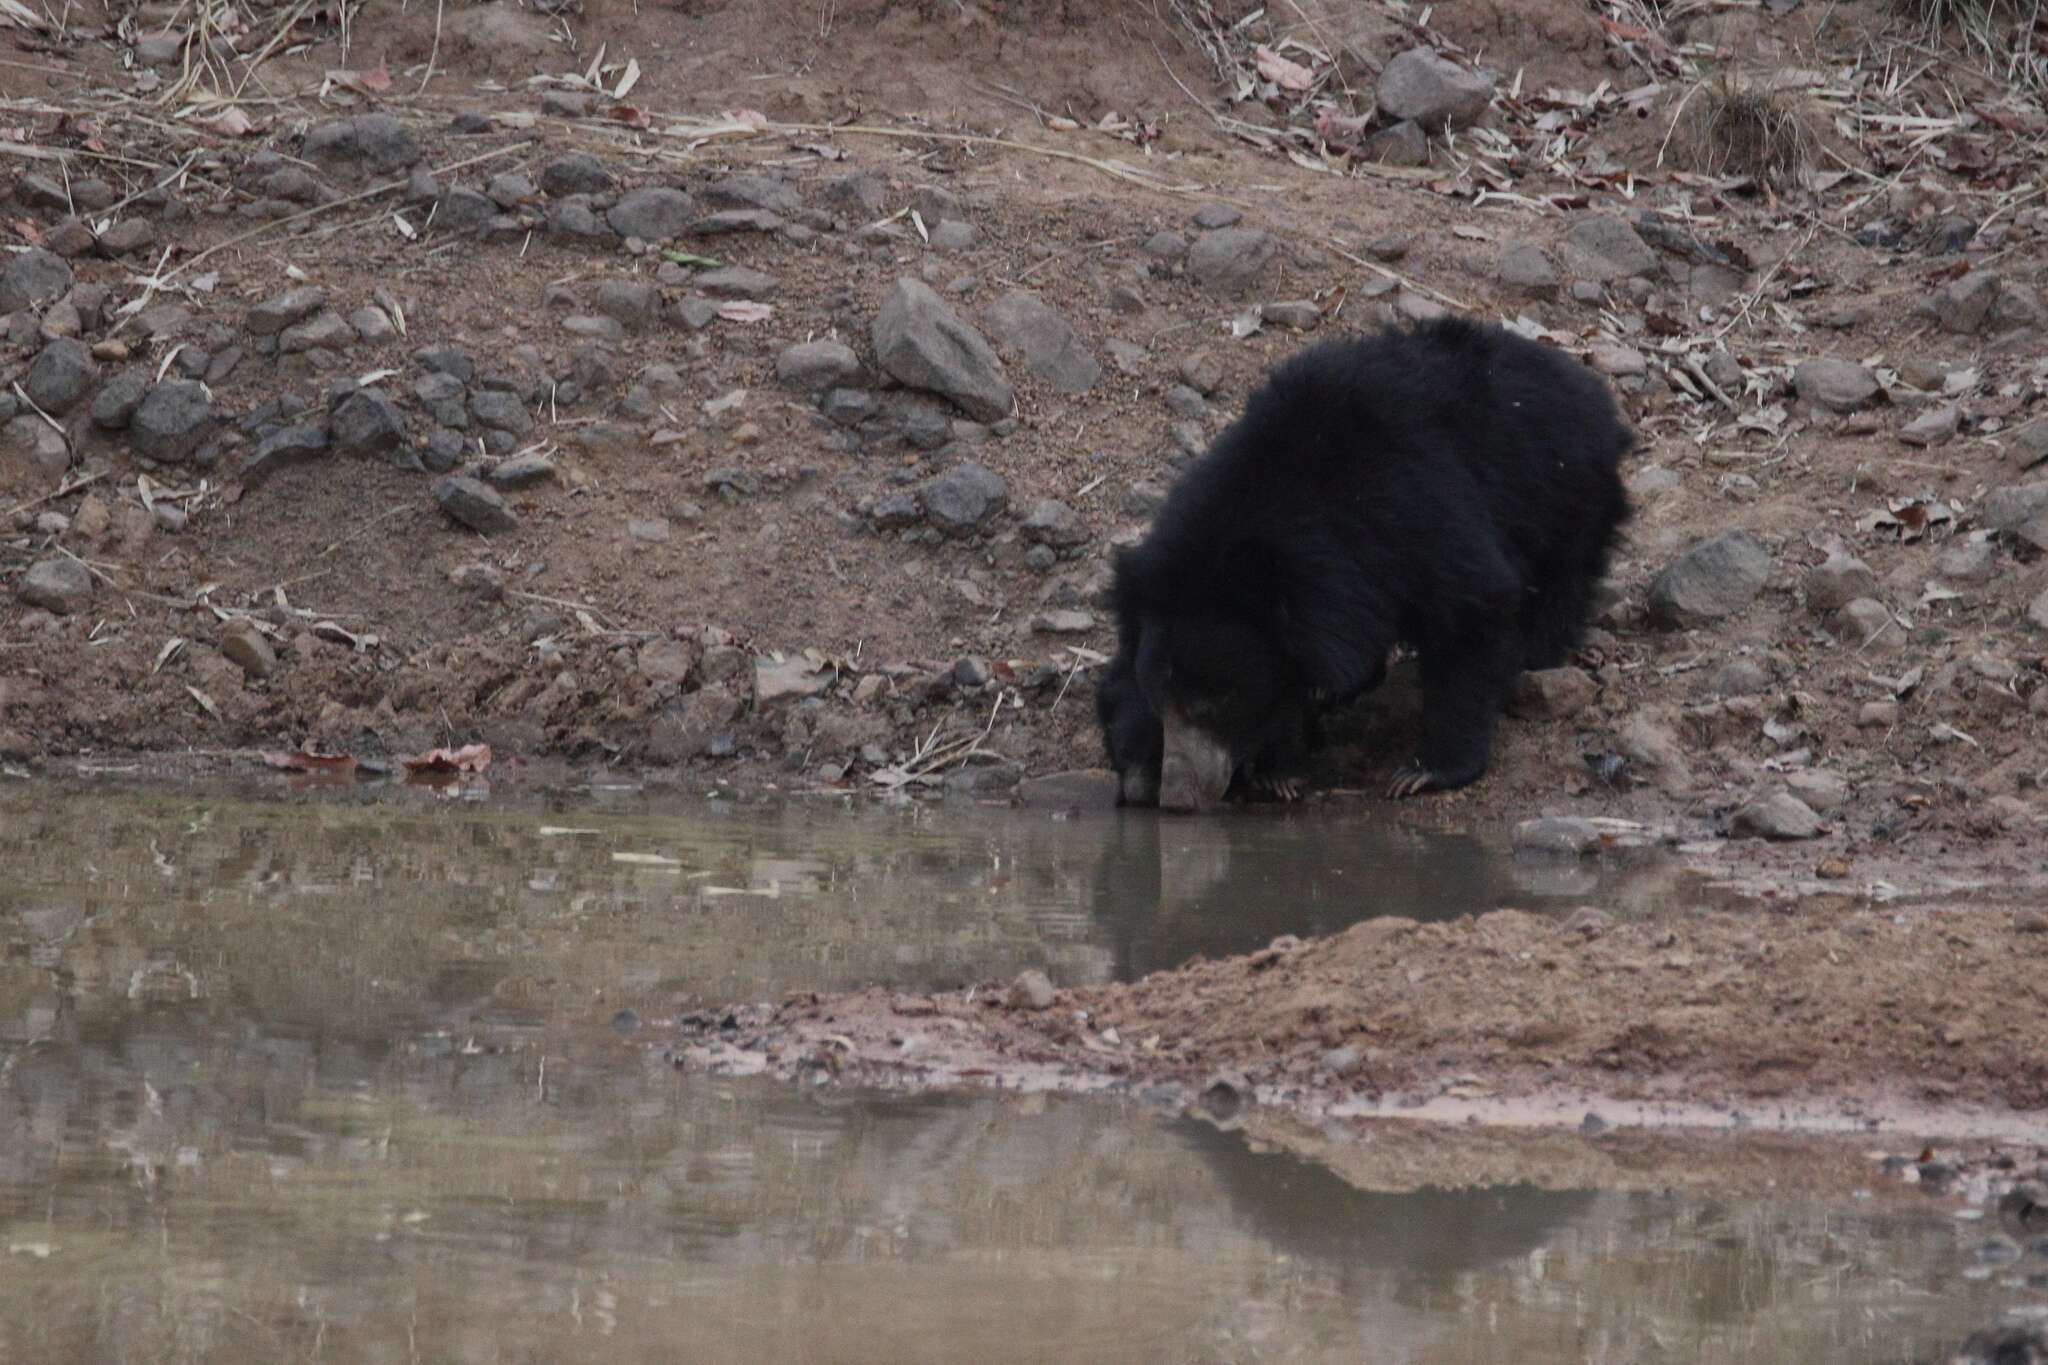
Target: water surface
[[377, 1076]]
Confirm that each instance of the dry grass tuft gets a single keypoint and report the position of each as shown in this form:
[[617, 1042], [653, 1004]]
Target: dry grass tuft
[[1730, 128], [1998, 35]]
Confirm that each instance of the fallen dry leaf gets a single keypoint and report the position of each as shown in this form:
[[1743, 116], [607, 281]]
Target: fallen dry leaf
[[629, 116], [299, 761], [229, 122], [470, 758], [375, 81], [1288, 75], [753, 118], [744, 310]]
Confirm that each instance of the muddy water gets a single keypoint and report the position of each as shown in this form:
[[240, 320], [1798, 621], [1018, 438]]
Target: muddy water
[[346, 1076]]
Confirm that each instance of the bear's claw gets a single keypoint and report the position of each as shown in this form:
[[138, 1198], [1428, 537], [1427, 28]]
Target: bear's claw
[[1411, 780]]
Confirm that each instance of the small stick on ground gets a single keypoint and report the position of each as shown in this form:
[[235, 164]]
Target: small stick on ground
[[54, 494], [1398, 278], [388, 187]]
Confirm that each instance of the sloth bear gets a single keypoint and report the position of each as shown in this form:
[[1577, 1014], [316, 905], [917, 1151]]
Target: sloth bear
[[1452, 487]]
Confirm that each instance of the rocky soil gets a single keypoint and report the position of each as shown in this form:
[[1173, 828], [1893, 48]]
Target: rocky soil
[[592, 410]]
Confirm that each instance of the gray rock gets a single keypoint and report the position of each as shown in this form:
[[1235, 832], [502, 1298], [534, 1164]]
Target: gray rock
[[735, 282], [631, 302], [118, 398], [522, 471], [1740, 678], [593, 328], [936, 204], [61, 586], [1964, 305], [1714, 578], [963, 498], [1523, 266], [2037, 611], [323, 331], [1165, 246], [1201, 372], [1936, 426], [35, 276], [243, 644], [861, 194], [812, 366], [422, 187], [378, 140], [1602, 247], [462, 209], [921, 342], [474, 504], [480, 580], [1819, 788], [1229, 260], [954, 235], [1398, 144], [127, 237], [848, 407], [1143, 498], [1838, 582], [1864, 620], [444, 449], [443, 396], [500, 411], [1300, 315], [753, 192], [1556, 836], [1023, 324], [2027, 446], [2015, 507], [1209, 217], [1184, 401], [1434, 92], [171, 420], [652, 214], [1554, 693], [1837, 385], [926, 428], [1780, 815], [575, 173], [1968, 559], [32, 440], [789, 680], [72, 236], [894, 512], [509, 189], [295, 445], [370, 324], [736, 220], [2017, 305], [1054, 523], [1063, 621], [1031, 991], [367, 422], [576, 218], [696, 313], [448, 360], [60, 376]]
